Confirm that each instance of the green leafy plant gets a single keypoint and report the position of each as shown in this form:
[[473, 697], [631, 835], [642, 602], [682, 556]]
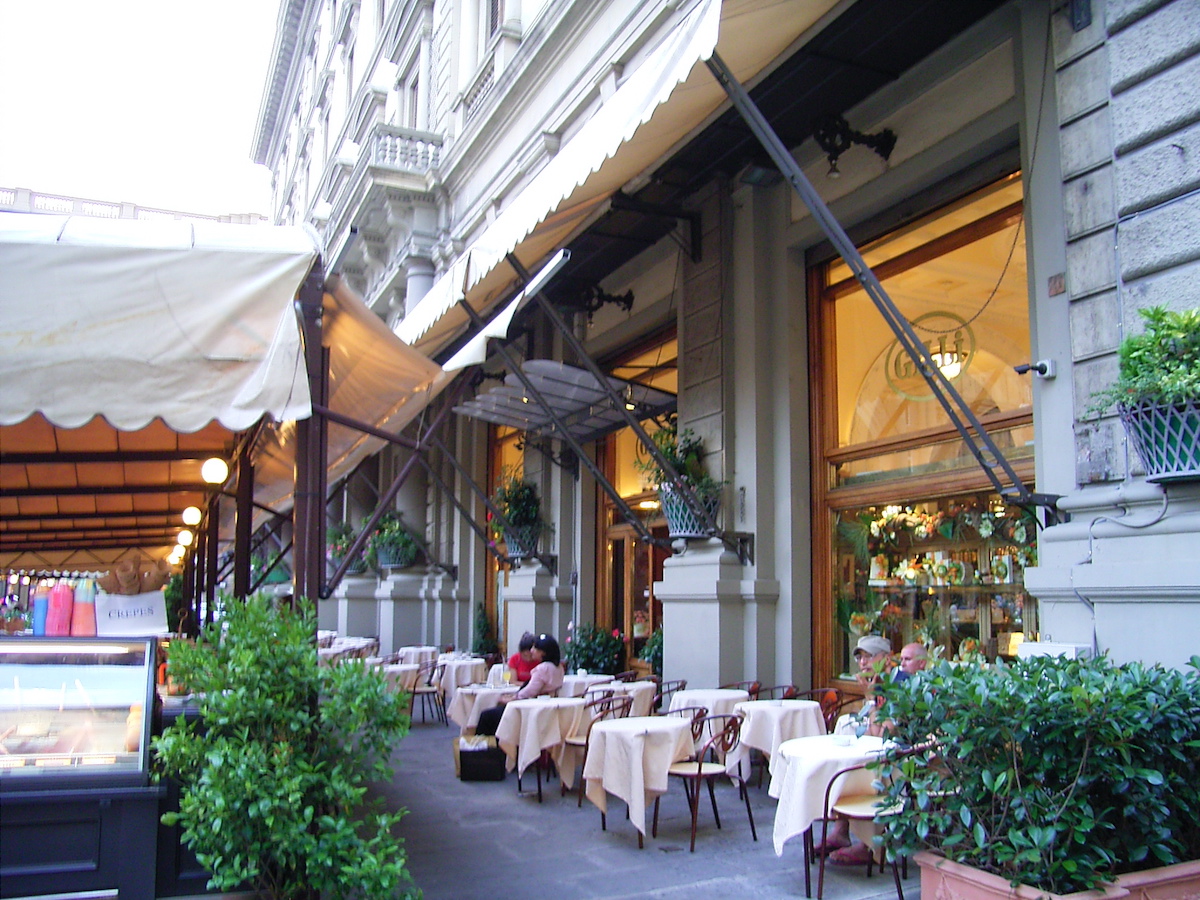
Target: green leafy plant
[[274, 783], [1161, 365], [391, 540], [338, 539], [517, 501], [483, 641], [594, 649], [178, 613], [685, 452], [1051, 772], [652, 651]]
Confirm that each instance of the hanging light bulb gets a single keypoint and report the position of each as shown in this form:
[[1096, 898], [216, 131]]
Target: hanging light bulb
[[948, 363], [179, 551], [214, 471], [192, 515], [185, 538], [629, 403]]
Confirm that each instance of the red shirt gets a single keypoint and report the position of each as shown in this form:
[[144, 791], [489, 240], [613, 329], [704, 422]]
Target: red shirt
[[523, 670]]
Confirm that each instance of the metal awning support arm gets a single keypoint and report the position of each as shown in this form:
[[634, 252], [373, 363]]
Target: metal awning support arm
[[389, 495], [561, 430], [989, 456], [685, 490], [401, 441], [479, 530]]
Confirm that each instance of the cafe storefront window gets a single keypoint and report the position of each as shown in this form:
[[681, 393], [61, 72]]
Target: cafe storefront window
[[918, 545]]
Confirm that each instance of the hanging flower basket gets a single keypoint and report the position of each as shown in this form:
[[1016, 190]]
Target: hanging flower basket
[[358, 567], [681, 521], [395, 557], [1166, 437], [522, 540]]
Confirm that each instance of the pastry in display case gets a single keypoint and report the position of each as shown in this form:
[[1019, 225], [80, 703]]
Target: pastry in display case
[[75, 706]]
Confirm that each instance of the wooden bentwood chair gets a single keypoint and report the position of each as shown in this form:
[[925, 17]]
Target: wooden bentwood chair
[[429, 689], [750, 687], [667, 690], [707, 766], [832, 700]]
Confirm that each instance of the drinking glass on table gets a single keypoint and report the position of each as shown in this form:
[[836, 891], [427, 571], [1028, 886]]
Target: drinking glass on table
[[508, 674]]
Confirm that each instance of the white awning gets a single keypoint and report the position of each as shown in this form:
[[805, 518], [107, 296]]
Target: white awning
[[131, 320], [664, 97], [137, 348]]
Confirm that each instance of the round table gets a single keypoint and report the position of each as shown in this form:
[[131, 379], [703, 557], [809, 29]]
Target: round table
[[473, 699], [768, 723]]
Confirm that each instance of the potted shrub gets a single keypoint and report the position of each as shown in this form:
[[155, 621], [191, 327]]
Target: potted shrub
[[518, 503], [391, 545], [273, 784], [652, 651], [338, 540], [1157, 393], [1056, 774], [593, 649], [685, 452]]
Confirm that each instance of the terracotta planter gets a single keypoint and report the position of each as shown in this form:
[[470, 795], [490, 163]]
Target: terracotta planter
[[946, 880], [942, 879]]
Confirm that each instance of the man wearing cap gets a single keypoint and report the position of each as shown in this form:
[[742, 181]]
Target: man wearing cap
[[873, 654]]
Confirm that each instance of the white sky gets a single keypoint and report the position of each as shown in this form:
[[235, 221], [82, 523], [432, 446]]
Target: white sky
[[152, 102]]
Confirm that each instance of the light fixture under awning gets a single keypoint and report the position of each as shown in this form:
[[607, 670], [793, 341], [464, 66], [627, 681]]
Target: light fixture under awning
[[579, 401], [662, 99]]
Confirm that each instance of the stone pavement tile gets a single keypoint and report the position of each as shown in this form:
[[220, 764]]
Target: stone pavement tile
[[468, 840]]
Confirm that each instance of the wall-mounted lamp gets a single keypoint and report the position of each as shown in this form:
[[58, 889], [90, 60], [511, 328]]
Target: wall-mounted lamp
[[648, 504], [1043, 368], [948, 363], [834, 135], [192, 516], [214, 471]]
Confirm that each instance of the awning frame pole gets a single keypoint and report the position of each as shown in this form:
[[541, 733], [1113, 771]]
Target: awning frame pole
[[685, 490], [961, 416], [410, 444], [562, 431], [385, 501]]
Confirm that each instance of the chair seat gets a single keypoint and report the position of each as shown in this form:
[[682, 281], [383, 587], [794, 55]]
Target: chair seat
[[576, 740], [706, 770], [863, 806]]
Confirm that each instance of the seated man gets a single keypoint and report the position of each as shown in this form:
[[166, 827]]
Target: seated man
[[913, 658]]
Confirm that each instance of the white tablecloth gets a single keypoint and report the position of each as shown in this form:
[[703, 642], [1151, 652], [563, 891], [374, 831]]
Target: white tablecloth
[[576, 685], [460, 672], [642, 693], [531, 726], [718, 701], [471, 700], [801, 771], [417, 654], [768, 723], [401, 676], [630, 757]]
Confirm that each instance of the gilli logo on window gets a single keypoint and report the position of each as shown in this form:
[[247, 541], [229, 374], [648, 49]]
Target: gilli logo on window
[[951, 344]]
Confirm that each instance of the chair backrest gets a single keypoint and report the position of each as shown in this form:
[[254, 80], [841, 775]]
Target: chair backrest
[[595, 691], [430, 673], [628, 675], [778, 692], [608, 706], [696, 714], [666, 690], [750, 687], [724, 730], [832, 700]]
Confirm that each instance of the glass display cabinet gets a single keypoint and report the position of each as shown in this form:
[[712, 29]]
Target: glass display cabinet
[[73, 708]]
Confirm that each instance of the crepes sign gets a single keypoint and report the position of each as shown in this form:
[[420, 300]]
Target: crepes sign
[[124, 615]]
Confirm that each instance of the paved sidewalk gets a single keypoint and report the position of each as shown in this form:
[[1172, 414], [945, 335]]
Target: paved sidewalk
[[470, 840]]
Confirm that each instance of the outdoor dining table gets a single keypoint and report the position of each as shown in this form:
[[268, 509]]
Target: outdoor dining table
[[642, 692], [471, 700], [401, 676], [768, 723], [460, 671], [800, 771], [718, 701], [530, 726], [629, 758], [577, 685], [414, 654]]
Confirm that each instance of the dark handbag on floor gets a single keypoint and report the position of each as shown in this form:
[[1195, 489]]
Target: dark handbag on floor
[[485, 763]]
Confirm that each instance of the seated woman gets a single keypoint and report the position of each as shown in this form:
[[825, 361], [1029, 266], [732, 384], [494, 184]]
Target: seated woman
[[522, 661], [546, 678]]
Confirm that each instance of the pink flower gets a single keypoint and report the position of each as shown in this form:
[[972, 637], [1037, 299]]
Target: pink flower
[[616, 633]]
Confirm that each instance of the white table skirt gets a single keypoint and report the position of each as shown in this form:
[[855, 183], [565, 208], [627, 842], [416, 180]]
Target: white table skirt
[[530, 726], [802, 771], [768, 723], [472, 700], [629, 758]]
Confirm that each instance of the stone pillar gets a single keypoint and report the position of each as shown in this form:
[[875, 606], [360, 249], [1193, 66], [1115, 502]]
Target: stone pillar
[[357, 610], [418, 282], [535, 603], [400, 605], [445, 612], [703, 615]]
